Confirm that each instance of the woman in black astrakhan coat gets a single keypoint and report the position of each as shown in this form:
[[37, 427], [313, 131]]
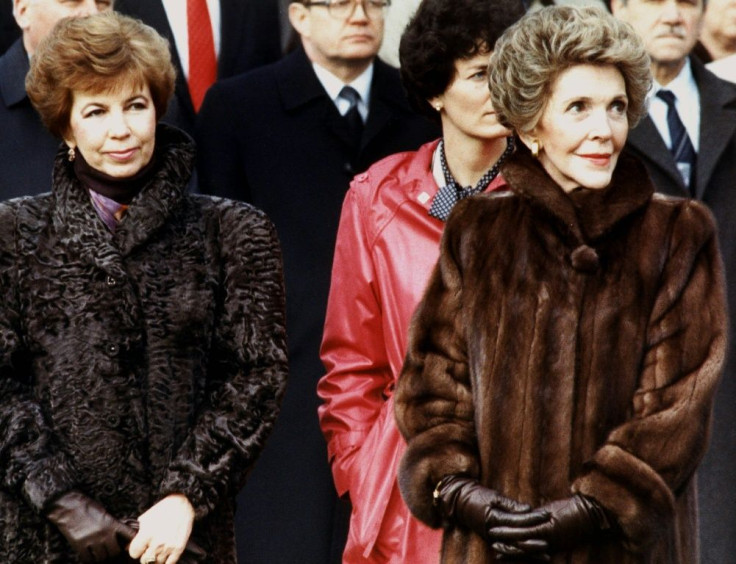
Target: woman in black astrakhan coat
[[558, 388], [142, 346]]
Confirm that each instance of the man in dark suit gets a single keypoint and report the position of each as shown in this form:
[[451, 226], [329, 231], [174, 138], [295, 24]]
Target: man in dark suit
[[275, 137], [706, 107], [27, 149], [248, 37]]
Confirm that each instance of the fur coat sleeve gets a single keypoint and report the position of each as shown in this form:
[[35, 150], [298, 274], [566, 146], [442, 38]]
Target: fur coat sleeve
[[34, 467], [646, 461], [248, 367], [639, 443]]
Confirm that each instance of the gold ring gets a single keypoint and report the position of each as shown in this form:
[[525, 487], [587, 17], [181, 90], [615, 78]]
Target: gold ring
[[149, 560]]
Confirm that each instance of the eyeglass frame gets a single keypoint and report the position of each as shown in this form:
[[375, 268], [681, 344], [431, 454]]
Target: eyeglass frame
[[363, 3]]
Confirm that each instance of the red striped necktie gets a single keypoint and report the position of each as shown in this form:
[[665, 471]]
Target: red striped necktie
[[202, 58]]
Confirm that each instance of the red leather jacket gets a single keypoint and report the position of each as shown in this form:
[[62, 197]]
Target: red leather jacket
[[387, 246]]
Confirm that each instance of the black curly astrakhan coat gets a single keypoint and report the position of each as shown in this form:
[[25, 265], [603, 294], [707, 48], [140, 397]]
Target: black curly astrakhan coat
[[137, 364], [569, 343]]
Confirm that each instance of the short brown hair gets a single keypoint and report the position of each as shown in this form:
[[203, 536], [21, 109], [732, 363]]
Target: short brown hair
[[532, 53], [98, 53]]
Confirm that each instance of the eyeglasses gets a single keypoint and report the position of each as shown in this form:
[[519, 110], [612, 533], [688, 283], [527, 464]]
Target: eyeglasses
[[343, 9]]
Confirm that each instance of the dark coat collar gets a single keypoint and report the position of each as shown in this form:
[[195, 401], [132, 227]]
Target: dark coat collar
[[14, 66], [585, 216], [298, 84], [76, 219], [717, 127]]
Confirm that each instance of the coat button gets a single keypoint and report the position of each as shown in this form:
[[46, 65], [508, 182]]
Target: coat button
[[111, 281], [112, 348]]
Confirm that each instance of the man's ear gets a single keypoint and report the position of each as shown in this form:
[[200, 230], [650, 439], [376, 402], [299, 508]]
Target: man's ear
[[299, 18], [20, 9]]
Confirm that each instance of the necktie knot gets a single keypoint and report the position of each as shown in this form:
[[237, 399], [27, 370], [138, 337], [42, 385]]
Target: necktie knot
[[668, 97], [351, 95]]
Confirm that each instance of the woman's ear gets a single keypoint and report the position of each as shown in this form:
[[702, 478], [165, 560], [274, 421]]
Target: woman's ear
[[436, 103], [527, 138]]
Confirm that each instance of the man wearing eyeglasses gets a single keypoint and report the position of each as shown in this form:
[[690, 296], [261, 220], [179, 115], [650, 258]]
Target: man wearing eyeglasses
[[288, 138]]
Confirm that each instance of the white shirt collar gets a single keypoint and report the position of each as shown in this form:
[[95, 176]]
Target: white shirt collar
[[687, 103], [333, 85]]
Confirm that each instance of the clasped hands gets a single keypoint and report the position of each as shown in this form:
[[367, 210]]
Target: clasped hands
[[514, 529], [159, 535]]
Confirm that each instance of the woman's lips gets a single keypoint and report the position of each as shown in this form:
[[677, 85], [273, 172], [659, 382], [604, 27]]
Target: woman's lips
[[123, 155], [599, 159]]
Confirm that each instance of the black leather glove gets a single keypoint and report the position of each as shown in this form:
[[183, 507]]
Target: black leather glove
[[193, 553], [92, 532], [464, 501], [572, 522]]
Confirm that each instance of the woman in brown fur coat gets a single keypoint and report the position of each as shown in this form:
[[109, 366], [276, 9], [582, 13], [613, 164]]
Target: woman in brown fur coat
[[557, 392]]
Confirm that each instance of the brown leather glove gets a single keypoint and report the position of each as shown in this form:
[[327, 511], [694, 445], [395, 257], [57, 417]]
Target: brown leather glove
[[572, 522], [463, 501], [193, 553], [92, 532]]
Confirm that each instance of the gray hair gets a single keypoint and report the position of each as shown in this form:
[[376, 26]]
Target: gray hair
[[532, 53]]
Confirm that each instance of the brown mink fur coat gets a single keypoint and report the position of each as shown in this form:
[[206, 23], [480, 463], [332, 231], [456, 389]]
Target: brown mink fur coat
[[569, 343]]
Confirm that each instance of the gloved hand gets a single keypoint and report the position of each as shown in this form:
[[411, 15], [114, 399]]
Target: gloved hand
[[464, 501], [572, 522], [193, 553], [92, 532]]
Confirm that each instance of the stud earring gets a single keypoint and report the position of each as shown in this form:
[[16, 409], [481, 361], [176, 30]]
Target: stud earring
[[71, 154], [438, 107], [535, 149]]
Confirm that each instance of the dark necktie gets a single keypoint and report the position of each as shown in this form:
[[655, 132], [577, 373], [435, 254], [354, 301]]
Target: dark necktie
[[682, 149], [353, 117], [202, 58]]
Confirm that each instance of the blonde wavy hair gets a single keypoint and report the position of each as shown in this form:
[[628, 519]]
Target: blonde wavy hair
[[98, 53], [532, 53]]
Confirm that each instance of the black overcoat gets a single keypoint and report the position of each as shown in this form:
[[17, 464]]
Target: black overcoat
[[138, 364]]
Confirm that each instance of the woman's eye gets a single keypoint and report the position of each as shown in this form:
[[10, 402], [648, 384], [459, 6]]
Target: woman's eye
[[94, 113], [576, 107], [619, 107], [480, 75]]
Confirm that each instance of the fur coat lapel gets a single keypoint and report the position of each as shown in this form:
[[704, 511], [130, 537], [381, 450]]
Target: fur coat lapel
[[583, 216], [76, 219]]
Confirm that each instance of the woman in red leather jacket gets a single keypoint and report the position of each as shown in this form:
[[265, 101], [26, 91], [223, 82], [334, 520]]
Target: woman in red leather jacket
[[388, 241]]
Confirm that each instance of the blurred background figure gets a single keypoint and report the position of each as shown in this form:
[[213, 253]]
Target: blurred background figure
[[387, 244], [725, 68], [210, 40], [143, 328], [397, 17], [688, 144], [289, 137], [718, 31], [26, 148], [573, 326]]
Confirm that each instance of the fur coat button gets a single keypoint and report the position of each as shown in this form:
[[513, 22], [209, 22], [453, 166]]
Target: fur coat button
[[584, 259]]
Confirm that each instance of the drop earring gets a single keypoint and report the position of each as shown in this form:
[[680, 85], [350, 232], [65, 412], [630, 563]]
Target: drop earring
[[71, 154], [535, 149]]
